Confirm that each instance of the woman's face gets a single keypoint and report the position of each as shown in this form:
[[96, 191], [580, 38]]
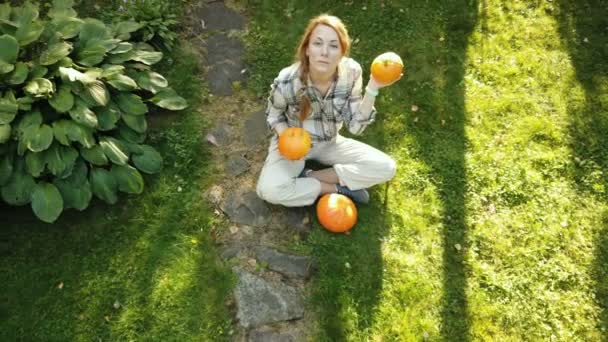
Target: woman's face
[[324, 51]]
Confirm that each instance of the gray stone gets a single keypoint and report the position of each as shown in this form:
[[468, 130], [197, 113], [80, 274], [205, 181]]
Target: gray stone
[[269, 336], [290, 265], [224, 57], [296, 219], [236, 165], [260, 302], [220, 135], [247, 208], [221, 49], [219, 17], [255, 129], [231, 251]]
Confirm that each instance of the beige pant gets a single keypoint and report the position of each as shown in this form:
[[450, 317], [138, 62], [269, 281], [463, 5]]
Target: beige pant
[[357, 165]]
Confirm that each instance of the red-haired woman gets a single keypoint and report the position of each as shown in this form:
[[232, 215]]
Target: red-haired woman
[[321, 92]]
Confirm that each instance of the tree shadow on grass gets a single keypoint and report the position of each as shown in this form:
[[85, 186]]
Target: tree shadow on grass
[[441, 141], [112, 273], [584, 31]]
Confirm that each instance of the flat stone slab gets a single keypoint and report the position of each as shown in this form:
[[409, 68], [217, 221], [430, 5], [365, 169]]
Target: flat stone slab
[[236, 164], [224, 57], [256, 129], [293, 266], [220, 135], [217, 16], [269, 336], [260, 302], [247, 208]]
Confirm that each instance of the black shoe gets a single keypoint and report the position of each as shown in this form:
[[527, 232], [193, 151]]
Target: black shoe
[[304, 173], [359, 196]]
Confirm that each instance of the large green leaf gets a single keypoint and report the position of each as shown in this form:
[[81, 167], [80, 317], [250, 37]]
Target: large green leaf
[[94, 155], [137, 123], [38, 71], [55, 52], [122, 82], [149, 161], [8, 108], [151, 81], [147, 57], [73, 75], [167, 98], [6, 168], [19, 74], [5, 68], [122, 47], [30, 119], [60, 159], [104, 185], [40, 87], [107, 116], [114, 150], [81, 134], [92, 29], [40, 139], [29, 33], [63, 100], [92, 54], [130, 135], [62, 9], [83, 115], [60, 131], [25, 103], [77, 196], [128, 178], [131, 104], [9, 49], [47, 202], [124, 28], [35, 162], [19, 188], [67, 26], [110, 70], [5, 133], [98, 92]]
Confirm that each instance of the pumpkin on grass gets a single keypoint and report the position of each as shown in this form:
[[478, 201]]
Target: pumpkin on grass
[[294, 143], [387, 67], [337, 213]]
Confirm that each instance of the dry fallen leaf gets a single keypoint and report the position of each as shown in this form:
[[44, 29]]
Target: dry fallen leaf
[[107, 318], [211, 139], [116, 305], [442, 122], [458, 247], [252, 262], [60, 286], [441, 39], [416, 119], [414, 108], [234, 229], [347, 265]]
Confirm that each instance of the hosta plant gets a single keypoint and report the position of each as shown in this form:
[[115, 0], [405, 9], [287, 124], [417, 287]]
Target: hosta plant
[[74, 94]]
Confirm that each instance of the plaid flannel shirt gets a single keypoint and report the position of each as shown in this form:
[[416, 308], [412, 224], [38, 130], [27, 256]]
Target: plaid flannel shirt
[[329, 113]]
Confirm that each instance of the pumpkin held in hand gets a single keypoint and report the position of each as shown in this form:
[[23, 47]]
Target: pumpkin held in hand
[[387, 67], [337, 213], [294, 143]]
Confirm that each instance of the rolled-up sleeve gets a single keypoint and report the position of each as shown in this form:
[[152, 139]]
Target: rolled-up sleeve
[[275, 111], [356, 119]]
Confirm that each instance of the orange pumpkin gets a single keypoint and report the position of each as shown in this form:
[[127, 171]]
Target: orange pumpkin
[[337, 213], [294, 143], [387, 67]]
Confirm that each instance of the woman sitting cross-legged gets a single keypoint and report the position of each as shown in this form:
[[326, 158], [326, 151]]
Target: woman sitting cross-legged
[[321, 92]]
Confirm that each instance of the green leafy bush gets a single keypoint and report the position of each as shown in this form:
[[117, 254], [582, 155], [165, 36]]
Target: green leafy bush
[[157, 21], [73, 104]]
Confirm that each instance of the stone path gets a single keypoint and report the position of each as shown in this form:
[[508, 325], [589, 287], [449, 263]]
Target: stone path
[[268, 300]]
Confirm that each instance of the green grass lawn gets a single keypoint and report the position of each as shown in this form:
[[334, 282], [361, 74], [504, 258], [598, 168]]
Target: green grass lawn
[[496, 225]]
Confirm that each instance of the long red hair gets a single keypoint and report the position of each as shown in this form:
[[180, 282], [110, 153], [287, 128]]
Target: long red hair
[[338, 26]]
